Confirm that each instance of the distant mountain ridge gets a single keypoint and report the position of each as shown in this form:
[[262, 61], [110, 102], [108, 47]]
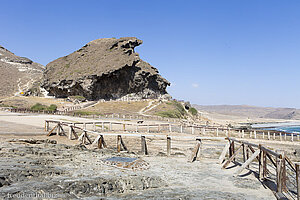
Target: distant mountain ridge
[[252, 111]]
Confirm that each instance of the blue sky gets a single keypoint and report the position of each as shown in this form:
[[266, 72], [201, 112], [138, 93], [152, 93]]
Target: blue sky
[[212, 51]]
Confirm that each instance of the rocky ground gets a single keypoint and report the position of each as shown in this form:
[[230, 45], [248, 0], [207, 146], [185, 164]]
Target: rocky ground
[[43, 167]]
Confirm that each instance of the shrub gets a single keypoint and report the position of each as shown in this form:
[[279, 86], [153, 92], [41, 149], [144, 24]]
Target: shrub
[[41, 107], [52, 107], [38, 107], [193, 111]]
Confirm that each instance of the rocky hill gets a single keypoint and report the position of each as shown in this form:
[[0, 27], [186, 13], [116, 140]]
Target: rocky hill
[[17, 74], [105, 69], [252, 111]]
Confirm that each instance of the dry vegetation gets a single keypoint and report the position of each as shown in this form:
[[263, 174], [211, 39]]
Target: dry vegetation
[[115, 107], [28, 102]]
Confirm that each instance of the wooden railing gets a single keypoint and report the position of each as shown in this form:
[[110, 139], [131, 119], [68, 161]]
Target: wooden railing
[[266, 159]]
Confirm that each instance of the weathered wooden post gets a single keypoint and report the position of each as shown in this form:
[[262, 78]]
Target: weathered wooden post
[[243, 133], [168, 145], [46, 125], [196, 151], [170, 128], [100, 142], [110, 126], [102, 126], [144, 145], [124, 128], [119, 143], [148, 129], [217, 132], [94, 126], [250, 134], [298, 136], [263, 134], [260, 164], [70, 133], [274, 136], [292, 137], [58, 129], [204, 131], [280, 136], [244, 152], [254, 134], [193, 130], [285, 136], [297, 165], [269, 135], [181, 129]]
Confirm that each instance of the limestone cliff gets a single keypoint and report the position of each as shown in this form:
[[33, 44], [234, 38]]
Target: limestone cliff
[[105, 69]]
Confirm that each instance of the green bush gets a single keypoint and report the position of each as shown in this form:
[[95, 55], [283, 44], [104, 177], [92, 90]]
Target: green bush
[[52, 107], [178, 111], [41, 107], [193, 111]]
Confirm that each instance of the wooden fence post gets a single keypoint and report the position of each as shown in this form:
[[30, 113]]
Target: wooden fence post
[[243, 133], [217, 132], [280, 136], [144, 145], [168, 145], [269, 135], [70, 132], [196, 151], [119, 143], [181, 129], [297, 165], [94, 126], [254, 134], [170, 128], [279, 174]]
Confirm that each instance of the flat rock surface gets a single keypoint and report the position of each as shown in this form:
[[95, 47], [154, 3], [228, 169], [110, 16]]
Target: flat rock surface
[[74, 172]]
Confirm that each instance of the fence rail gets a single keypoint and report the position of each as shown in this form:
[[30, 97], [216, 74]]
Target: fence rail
[[272, 165]]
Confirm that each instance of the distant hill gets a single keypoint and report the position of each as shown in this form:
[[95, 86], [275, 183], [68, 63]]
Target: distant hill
[[252, 111], [17, 74]]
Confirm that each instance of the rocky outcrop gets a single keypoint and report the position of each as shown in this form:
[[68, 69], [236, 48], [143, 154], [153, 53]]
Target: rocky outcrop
[[17, 74], [105, 69]]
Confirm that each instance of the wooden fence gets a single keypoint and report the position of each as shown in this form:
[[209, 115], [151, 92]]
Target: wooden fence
[[85, 136], [266, 159]]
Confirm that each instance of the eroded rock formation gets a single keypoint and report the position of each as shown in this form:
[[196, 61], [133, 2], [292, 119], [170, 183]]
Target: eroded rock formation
[[105, 69], [17, 74]]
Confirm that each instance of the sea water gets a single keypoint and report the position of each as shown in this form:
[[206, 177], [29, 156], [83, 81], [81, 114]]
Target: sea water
[[288, 129]]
